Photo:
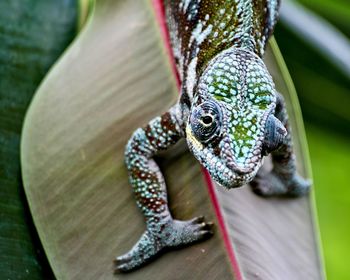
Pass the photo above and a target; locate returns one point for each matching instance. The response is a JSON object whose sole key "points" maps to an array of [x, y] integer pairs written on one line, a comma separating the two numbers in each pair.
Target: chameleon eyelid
{"points": [[202, 130]]}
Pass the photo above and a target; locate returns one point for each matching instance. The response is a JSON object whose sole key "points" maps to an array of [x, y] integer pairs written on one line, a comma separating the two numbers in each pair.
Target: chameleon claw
{"points": [[205, 226], [209, 233], [120, 269], [197, 220], [121, 260], [299, 187], [204, 234], [210, 224], [201, 224]]}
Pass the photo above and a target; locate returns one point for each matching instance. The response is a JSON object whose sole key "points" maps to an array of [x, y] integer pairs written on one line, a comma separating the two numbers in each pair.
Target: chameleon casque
{"points": [[229, 112]]}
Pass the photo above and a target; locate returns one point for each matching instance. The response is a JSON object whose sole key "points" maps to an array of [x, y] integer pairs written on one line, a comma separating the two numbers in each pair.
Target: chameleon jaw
{"points": [[218, 170], [192, 139]]}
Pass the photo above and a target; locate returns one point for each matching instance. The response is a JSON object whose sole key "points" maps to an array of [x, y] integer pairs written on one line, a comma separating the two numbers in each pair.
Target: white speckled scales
{"points": [[200, 29]]}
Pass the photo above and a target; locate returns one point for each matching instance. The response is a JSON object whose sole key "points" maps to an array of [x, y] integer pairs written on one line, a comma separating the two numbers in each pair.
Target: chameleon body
{"points": [[229, 112]]}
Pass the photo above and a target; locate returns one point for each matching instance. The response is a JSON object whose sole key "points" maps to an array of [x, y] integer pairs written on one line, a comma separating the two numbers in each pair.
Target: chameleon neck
{"points": [[200, 29]]}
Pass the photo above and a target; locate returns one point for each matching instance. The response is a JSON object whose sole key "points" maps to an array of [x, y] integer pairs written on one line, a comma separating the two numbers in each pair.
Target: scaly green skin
{"points": [[229, 112]]}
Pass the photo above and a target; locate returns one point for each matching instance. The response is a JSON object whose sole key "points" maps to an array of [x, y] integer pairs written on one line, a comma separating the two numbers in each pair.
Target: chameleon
{"points": [[228, 111]]}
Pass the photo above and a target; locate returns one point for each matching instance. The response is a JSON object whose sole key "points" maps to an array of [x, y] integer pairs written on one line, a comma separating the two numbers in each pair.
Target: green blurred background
{"points": [[33, 33]]}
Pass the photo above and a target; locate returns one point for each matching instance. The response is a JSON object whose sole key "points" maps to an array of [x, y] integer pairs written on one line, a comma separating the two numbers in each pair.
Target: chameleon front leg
{"points": [[283, 179], [162, 230]]}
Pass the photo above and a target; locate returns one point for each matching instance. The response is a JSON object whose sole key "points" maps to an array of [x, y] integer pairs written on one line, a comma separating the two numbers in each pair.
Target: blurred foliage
{"points": [[324, 94], [323, 89], [330, 162], [33, 33], [337, 12]]}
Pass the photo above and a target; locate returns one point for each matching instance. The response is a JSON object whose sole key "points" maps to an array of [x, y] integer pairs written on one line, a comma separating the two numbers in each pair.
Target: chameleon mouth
{"points": [[229, 175]]}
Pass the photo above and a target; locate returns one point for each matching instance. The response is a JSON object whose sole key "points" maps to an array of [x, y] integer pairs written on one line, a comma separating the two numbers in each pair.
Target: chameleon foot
{"points": [[172, 233], [273, 184]]}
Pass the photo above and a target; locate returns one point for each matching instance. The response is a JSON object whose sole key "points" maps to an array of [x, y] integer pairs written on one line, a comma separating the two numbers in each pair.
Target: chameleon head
{"points": [[231, 124]]}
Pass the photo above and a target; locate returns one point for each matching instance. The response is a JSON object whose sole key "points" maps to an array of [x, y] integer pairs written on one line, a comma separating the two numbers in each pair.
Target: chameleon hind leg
{"points": [[162, 231], [283, 178]]}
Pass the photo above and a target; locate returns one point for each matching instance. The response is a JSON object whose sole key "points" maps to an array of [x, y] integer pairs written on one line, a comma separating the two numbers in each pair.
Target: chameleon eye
{"points": [[206, 121]]}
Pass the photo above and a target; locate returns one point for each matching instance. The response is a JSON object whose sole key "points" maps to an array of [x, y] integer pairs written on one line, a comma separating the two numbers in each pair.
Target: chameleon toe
{"points": [[197, 220]]}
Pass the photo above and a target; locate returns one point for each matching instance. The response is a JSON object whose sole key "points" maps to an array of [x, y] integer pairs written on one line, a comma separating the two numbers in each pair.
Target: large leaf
{"points": [[112, 80], [33, 34]]}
